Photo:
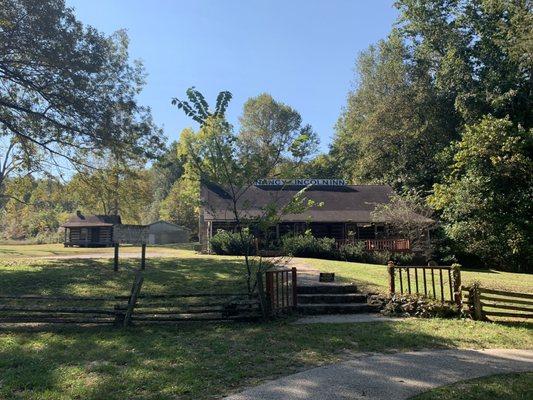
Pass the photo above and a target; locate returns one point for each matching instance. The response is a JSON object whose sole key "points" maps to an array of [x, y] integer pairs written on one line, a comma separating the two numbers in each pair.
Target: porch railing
{"points": [[397, 245]]}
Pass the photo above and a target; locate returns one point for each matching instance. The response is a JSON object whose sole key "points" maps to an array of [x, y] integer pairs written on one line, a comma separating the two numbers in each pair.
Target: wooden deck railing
{"points": [[387, 244], [394, 245]]}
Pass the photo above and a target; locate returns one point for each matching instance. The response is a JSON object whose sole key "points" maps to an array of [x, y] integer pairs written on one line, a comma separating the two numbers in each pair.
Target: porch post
{"points": [[209, 235]]}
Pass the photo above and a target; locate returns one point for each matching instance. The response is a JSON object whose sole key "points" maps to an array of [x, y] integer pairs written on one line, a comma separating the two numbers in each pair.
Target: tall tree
{"points": [[447, 63], [486, 199], [113, 189], [394, 124], [271, 133], [66, 90], [221, 157], [478, 51]]}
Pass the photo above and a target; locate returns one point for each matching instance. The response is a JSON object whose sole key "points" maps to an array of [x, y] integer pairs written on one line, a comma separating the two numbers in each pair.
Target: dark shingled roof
{"points": [[351, 203], [81, 221]]}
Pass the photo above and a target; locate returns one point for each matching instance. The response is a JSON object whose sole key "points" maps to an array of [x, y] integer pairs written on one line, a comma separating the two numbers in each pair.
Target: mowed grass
{"points": [[374, 278], [185, 272], [201, 361], [189, 360], [11, 251], [517, 386]]}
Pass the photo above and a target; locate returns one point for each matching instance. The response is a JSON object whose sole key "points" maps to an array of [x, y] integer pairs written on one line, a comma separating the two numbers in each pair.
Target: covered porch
{"points": [[376, 237]]}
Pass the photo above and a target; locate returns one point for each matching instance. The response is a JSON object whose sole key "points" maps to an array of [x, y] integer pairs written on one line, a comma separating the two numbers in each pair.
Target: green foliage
{"points": [[232, 243], [326, 248], [271, 133], [352, 251], [485, 199], [393, 125], [115, 188], [309, 246], [182, 203], [409, 217], [197, 107], [67, 90], [419, 306], [447, 67], [35, 209]]}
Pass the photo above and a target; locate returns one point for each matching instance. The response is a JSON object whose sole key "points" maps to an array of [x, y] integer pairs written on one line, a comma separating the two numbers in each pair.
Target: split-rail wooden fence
{"points": [[123, 310], [482, 303]]}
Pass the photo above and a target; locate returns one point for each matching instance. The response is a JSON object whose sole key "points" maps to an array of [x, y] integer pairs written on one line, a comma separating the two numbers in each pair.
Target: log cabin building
{"points": [[90, 230], [341, 211]]}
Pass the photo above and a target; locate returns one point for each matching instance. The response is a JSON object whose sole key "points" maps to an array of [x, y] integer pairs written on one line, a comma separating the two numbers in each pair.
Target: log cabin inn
{"points": [[340, 211]]}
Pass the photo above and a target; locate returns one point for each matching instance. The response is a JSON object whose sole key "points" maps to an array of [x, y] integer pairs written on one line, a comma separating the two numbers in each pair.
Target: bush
{"points": [[419, 306], [352, 252], [231, 243], [309, 246]]}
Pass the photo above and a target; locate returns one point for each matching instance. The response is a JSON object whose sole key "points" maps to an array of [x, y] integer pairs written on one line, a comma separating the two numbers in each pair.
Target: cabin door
{"points": [[95, 235]]}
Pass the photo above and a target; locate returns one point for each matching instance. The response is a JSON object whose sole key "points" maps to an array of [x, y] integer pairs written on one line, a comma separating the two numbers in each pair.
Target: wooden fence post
{"points": [[115, 259], [143, 256], [261, 294], [294, 282], [456, 274], [476, 309], [135, 290], [390, 269], [269, 292]]}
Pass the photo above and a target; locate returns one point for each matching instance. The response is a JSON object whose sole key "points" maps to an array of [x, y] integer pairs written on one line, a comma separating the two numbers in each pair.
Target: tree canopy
{"points": [[485, 200], [66, 90], [446, 64]]}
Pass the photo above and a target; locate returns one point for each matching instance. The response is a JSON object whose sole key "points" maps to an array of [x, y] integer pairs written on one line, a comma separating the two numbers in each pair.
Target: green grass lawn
{"points": [[496, 387], [11, 251], [374, 277], [191, 360]]}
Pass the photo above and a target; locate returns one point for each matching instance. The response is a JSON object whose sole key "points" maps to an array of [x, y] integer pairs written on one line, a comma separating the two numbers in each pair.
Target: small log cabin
{"points": [[342, 212], [90, 230]]}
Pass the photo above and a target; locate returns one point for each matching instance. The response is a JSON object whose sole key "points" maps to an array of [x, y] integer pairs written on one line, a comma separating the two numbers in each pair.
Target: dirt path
{"points": [[390, 376]]}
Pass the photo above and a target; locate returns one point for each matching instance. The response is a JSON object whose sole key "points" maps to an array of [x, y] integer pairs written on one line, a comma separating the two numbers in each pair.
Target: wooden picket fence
{"points": [[277, 291], [127, 310], [437, 282], [482, 303]]}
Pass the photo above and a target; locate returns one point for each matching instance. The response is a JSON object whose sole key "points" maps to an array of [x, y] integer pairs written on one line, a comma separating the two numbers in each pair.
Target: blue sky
{"points": [[302, 52]]}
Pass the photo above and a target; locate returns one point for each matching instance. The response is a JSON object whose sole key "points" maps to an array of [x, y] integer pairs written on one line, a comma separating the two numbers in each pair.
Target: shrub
{"points": [[309, 246], [231, 243], [419, 306], [352, 252]]}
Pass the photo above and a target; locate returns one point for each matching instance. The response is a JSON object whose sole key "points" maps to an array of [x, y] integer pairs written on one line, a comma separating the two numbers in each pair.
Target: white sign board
{"points": [[300, 182], [130, 234]]}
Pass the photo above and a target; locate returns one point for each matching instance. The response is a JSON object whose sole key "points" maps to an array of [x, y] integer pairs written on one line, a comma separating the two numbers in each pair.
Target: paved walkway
{"points": [[390, 376]]}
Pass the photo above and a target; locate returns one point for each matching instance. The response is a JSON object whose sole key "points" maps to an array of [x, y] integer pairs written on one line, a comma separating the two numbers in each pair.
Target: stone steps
{"points": [[333, 298], [336, 308], [330, 298], [326, 288]]}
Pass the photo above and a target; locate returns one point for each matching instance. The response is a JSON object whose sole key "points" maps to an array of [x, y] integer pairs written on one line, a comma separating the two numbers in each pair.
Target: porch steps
{"points": [[333, 298]]}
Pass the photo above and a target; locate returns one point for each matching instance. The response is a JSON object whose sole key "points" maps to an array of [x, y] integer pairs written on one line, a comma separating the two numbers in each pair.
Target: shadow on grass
{"points": [[189, 361], [96, 276]]}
